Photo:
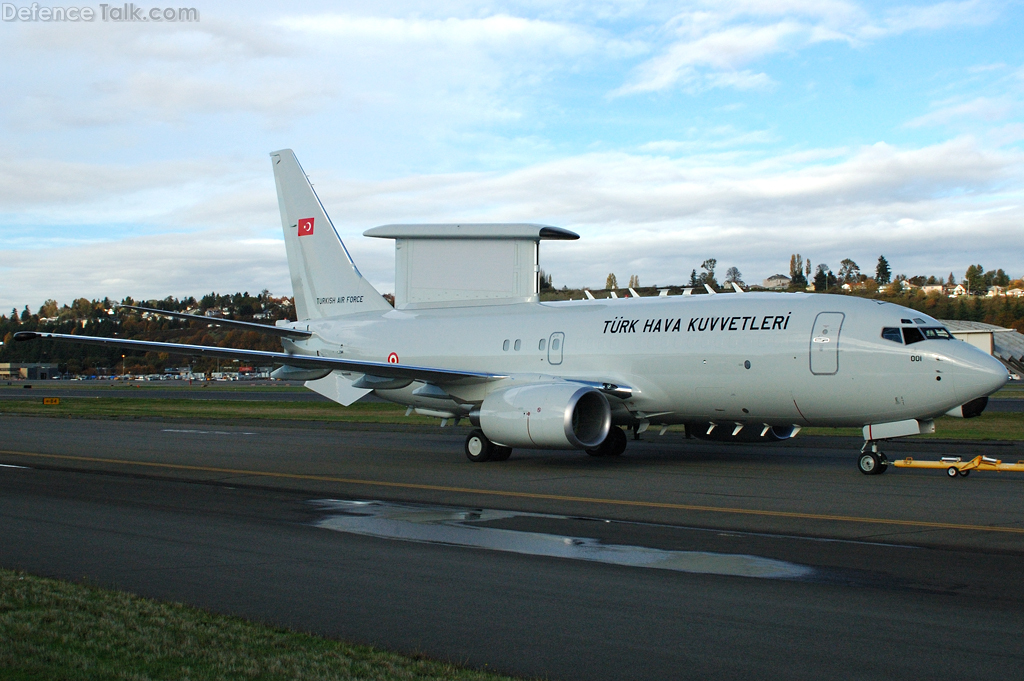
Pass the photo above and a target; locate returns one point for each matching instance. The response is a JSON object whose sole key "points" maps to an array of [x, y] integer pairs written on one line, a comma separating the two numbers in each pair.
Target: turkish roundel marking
{"points": [[305, 226], [393, 358]]}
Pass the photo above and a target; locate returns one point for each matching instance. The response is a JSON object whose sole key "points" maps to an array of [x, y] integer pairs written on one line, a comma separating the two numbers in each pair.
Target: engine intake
{"points": [[970, 409], [546, 416]]}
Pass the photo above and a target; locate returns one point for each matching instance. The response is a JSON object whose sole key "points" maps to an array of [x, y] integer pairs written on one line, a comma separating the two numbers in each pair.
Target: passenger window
{"points": [[912, 335], [554, 344], [504, 346], [543, 342], [893, 334], [519, 344]]}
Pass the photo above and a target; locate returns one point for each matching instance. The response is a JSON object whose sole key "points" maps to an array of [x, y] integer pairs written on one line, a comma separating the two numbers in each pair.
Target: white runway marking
{"points": [[7, 465], [202, 432]]}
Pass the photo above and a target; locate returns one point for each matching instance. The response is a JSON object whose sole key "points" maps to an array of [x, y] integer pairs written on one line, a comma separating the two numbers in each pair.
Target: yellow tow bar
{"points": [[955, 466]]}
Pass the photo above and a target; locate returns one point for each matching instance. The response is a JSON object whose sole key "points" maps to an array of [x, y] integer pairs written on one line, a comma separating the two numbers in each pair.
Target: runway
{"points": [[681, 559]]}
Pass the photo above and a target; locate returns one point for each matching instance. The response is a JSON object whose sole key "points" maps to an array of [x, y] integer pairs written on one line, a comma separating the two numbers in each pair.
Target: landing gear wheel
{"points": [[499, 453], [616, 442], [964, 474], [870, 464], [613, 445], [952, 472], [478, 447]]}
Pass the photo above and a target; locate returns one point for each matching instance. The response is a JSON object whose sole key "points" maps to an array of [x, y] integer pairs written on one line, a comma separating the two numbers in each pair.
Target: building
{"points": [[958, 291], [1005, 345], [777, 281], [33, 371]]}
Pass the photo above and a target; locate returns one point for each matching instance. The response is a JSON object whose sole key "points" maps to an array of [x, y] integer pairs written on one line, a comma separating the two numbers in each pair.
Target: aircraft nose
{"points": [[980, 375]]}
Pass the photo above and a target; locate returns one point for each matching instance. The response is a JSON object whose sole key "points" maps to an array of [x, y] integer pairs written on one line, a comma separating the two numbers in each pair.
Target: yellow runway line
{"points": [[528, 495]]}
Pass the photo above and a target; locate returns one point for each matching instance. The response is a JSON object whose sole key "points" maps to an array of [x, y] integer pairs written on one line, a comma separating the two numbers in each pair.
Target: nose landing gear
{"points": [[872, 462]]}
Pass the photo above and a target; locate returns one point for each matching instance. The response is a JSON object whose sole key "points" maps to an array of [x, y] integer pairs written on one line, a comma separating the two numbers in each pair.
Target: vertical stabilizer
{"points": [[325, 281]]}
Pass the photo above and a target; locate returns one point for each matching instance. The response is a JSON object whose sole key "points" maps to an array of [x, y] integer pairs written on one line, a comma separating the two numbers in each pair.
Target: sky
{"points": [[664, 133]]}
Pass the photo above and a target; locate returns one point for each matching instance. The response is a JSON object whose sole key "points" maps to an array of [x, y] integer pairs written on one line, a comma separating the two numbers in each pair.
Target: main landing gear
{"points": [[872, 462], [480, 449], [613, 445]]}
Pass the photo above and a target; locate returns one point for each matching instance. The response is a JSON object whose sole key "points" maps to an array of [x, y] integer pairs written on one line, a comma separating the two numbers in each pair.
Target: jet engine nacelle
{"points": [[969, 410], [546, 416]]}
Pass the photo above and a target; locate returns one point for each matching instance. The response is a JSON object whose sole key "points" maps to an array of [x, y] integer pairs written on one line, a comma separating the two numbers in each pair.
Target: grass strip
{"points": [[85, 407], [52, 629], [988, 426]]}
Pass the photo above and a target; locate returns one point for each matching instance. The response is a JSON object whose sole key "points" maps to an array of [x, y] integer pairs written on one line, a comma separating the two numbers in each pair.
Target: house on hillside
{"points": [[777, 281], [958, 291]]}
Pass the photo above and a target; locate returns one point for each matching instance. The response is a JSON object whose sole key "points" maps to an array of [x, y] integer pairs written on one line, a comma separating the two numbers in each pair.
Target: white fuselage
{"points": [[776, 359]]}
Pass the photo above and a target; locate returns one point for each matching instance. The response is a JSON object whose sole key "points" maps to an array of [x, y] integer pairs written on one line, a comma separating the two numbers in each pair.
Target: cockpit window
{"points": [[918, 320], [912, 335], [937, 332], [893, 334]]}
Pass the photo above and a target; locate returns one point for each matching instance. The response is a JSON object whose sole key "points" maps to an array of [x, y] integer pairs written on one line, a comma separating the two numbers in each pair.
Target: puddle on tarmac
{"points": [[461, 527]]}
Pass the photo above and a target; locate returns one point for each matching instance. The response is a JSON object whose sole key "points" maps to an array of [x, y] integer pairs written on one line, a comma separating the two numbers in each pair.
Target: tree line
{"points": [[976, 280], [105, 318]]}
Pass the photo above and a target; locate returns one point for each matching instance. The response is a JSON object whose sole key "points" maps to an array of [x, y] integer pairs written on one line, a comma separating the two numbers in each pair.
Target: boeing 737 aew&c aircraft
{"points": [[469, 338]]}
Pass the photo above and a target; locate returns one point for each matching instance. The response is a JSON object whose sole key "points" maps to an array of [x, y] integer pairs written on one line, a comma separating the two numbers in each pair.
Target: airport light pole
{"points": [[122, 366]]}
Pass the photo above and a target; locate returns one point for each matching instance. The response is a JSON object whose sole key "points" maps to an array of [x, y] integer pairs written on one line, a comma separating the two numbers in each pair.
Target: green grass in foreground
{"points": [[52, 630]]}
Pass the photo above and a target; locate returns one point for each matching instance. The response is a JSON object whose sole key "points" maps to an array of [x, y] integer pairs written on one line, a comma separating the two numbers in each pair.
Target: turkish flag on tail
{"points": [[305, 226]]}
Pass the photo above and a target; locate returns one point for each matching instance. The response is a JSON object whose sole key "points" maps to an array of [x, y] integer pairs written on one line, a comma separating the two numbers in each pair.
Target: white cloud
{"points": [[724, 52], [980, 108], [711, 44], [932, 17], [32, 183], [146, 267], [496, 32], [638, 214], [469, 112]]}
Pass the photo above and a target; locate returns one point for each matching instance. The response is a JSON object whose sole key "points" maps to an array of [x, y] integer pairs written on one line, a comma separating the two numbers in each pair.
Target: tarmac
{"points": [[681, 559]]}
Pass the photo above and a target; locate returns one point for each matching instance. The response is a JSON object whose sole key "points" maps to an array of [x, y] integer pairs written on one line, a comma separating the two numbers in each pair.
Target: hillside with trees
{"points": [[105, 318]]}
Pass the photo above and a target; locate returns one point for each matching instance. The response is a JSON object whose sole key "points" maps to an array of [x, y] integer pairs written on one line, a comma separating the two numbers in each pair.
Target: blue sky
{"points": [[664, 133]]}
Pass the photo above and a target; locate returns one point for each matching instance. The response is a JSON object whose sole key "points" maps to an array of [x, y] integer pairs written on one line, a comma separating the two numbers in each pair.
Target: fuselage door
{"points": [[825, 343], [555, 344]]}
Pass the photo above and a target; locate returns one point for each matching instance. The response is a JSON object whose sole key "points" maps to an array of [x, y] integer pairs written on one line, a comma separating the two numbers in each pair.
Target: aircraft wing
{"points": [[282, 331], [381, 369]]}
